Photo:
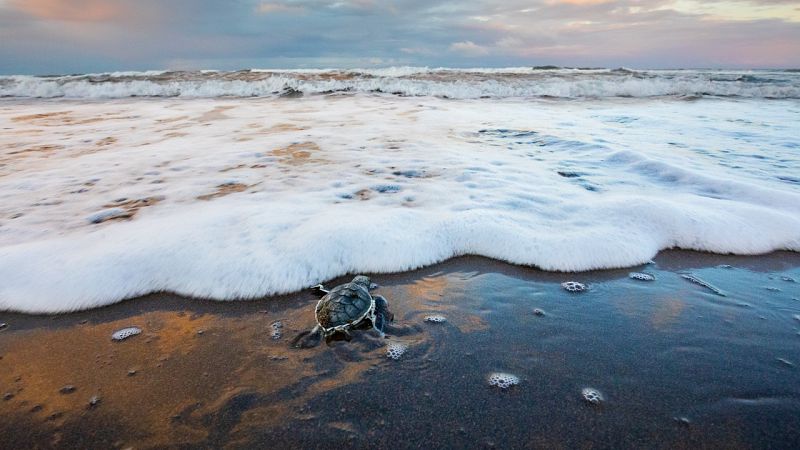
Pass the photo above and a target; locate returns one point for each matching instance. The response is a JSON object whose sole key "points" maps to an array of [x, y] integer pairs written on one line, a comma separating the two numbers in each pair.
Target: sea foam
{"points": [[267, 196]]}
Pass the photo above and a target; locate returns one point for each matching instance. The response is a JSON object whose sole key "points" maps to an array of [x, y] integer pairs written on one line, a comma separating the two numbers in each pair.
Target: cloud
{"points": [[72, 10], [580, 2], [269, 8], [416, 51], [788, 10], [361, 4], [509, 42], [468, 48], [47, 36]]}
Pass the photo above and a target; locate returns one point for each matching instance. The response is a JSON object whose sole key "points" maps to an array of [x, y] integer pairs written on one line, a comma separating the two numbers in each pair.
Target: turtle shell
{"points": [[344, 306]]}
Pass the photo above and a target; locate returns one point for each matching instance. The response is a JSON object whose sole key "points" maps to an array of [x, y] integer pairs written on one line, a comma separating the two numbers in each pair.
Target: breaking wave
{"points": [[411, 81], [244, 198]]}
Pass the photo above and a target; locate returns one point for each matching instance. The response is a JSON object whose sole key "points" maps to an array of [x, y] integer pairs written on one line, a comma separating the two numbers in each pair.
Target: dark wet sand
{"points": [[680, 366]]}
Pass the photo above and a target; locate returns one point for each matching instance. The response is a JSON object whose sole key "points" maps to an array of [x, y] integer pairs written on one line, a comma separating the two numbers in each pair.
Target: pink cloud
{"points": [[270, 8], [71, 10]]}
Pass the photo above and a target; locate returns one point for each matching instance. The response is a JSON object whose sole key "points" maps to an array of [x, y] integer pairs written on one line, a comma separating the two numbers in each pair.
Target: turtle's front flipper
{"points": [[319, 290], [308, 339]]}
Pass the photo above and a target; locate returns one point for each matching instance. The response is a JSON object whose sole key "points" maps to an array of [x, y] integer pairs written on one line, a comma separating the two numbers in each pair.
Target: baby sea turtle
{"points": [[346, 306]]}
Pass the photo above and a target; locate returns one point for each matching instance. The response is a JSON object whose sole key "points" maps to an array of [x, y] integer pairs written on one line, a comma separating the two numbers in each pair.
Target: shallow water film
{"points": [[517, 362]]}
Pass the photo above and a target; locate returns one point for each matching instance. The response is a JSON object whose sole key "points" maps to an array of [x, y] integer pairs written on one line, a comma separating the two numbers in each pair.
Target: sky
{"points": [[84, 36]]}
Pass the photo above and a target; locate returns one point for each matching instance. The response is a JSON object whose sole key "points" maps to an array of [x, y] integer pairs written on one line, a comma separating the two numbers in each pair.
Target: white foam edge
{"points": [[233, 250]]}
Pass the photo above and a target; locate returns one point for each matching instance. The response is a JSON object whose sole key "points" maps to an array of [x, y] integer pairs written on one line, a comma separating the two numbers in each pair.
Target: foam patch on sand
{"points": [[230, 199], [436, 318], [502, 380], [125, 333], [395, 350], [592, 396]]}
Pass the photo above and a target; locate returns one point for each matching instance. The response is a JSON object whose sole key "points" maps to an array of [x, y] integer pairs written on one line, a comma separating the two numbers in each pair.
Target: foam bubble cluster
{"points": [[436, 318], [276, 329], [573, 286], [592, 396], [697, 280], [125, 333], [683, 420], [503, 380], [395, 350], [641, 276]]}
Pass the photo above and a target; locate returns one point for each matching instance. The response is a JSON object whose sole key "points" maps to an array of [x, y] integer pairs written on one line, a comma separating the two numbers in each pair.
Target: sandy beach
{"points": [[678, 365], [198, 218], [584, 214]]}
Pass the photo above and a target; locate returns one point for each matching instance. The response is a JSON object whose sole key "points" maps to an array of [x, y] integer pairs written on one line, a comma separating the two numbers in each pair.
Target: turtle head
{"points": [[364, 280]]}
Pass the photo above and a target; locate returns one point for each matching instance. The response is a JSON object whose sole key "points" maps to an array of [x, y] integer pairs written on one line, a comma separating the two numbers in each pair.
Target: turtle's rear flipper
{"points": [[382, 313], [380, 323], [307, 339]]}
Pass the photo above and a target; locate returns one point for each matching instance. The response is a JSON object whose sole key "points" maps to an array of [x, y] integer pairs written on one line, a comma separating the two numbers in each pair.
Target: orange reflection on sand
{"points": [[427, 289], [137, 377], [434, 294], [667, 313], [171, 383], [659, 312]]}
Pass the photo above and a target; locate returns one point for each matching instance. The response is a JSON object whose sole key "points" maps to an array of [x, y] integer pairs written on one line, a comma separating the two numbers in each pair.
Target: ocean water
{"points": [[246, 184], [413, 81]]}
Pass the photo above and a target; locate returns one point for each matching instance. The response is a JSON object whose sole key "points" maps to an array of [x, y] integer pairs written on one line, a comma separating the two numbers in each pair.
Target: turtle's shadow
{"points": [[363, 337], [365, 333]]}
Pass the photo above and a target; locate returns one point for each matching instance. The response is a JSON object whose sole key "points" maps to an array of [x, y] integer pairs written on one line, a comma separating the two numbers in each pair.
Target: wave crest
{"points": [[412, 81]]}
